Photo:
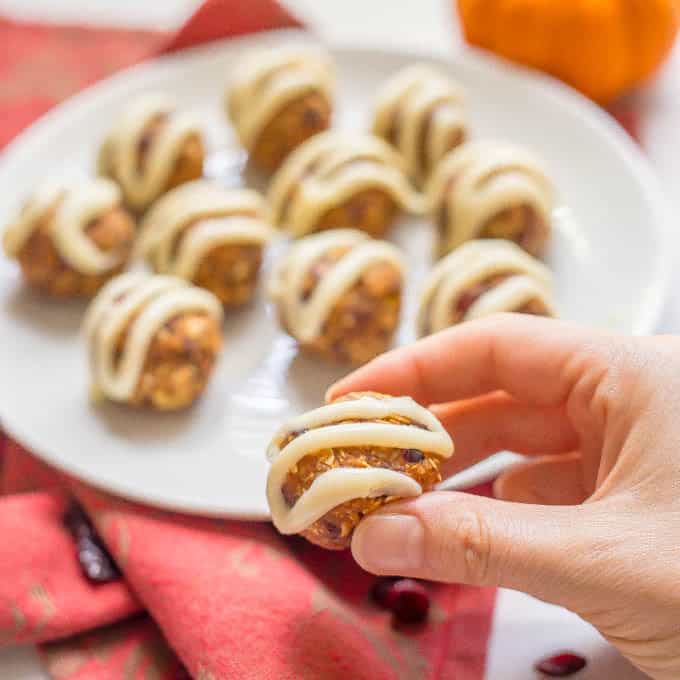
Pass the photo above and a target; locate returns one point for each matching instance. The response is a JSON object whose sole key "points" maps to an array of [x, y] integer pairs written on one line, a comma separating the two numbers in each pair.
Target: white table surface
{"points": [[524, 629]]}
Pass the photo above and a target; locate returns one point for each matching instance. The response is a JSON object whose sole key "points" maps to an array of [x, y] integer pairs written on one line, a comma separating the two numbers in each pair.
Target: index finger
{"points": [[535, 359]]}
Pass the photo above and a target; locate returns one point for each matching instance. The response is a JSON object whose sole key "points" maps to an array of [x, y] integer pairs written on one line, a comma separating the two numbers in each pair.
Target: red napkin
{"points": [[234, 599], [231, 599]]}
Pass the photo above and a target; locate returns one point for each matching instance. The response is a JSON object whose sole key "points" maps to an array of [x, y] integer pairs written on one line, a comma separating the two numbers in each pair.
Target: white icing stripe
{"points": [[31, 215], [266, 81], [212, 233], [509, 295], [416, 97], [77, 207], [305, 318], [386, 435], [329, 169], [333, 488], [119, 154], [487, 179], [152, 300], [366, 408], [472, 263], [216, 216], [109, 293]]}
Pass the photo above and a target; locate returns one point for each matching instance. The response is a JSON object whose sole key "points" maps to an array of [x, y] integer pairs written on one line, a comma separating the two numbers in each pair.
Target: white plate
{"points": [[611, 256]]}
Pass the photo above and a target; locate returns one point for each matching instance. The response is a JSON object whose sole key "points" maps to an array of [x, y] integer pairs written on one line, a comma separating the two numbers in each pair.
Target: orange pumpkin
{"points": [[602, 47]]}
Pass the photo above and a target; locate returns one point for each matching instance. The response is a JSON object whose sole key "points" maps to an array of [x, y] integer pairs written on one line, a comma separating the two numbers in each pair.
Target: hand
{"points": [[592, 521]]}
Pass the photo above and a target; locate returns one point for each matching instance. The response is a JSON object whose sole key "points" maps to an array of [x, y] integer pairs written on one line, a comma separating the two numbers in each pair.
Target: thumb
{"points": [[546, 551]]}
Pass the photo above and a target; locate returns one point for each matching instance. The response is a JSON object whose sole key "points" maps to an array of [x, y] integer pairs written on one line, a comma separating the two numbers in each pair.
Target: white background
{"points": [[524, 629]]}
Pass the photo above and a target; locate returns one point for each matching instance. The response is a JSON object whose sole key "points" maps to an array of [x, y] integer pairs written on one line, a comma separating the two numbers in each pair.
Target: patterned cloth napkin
{"points": [[230, 599]]}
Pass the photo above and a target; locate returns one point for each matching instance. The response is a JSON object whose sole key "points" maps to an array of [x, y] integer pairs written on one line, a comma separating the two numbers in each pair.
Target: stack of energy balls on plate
{"points": [[154, 338]]}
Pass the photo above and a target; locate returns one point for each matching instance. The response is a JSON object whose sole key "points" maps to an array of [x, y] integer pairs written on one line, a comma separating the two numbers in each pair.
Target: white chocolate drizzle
{"points": [[119, 154], [212, 216], [151, 301], [328, 170], [479, 180], [323, 428], [265, 81], [472, 263], [75, 208], [305, 318], [430, 113]]}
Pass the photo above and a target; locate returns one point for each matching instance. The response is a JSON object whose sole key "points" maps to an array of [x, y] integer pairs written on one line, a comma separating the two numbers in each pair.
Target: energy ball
{"points": [[341, 180], [151, 149], [69, 241], [278, 99], [421, 112], [336, 464], [153, 341], [491, 190], [339, 294], [481, 278], [208, 235]]}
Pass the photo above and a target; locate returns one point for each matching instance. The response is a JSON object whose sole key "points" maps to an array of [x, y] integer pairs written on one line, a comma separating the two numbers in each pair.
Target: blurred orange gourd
{"points": [[603, 48]]}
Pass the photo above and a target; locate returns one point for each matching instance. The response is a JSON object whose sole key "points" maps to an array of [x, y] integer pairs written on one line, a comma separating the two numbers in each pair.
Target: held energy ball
{"points": [[334, 465]]}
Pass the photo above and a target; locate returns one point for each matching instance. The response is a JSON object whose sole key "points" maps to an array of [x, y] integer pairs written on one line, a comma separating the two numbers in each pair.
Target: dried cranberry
{"points": [[413, 455], [357, 210], [561, 665], [95, 561], [408, 600], [311, 118], [144, 143], [467, 299], [381, 588], [333, 530]]}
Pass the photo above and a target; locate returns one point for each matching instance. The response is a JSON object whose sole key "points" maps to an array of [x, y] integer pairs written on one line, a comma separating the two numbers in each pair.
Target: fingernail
{"points": [[389, 544]]}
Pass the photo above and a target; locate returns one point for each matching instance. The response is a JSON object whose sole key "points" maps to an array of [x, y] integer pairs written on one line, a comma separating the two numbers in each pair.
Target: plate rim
{"points": [[468, 57]]}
